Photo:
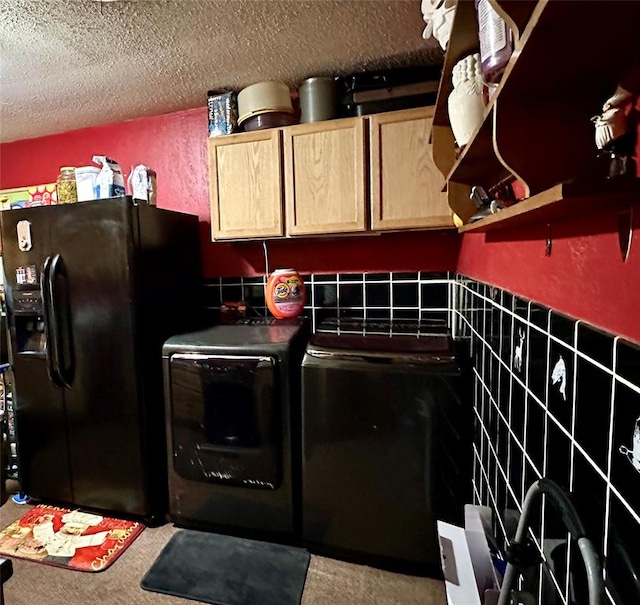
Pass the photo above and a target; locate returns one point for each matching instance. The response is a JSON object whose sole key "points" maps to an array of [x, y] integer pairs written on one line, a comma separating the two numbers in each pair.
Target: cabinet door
{"points": [[406, 186], [245, 185], [325, 183]]}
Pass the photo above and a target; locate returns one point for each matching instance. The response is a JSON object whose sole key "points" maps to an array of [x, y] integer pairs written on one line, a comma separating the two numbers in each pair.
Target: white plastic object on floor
{"points": [[477, 522], [459, 577]]}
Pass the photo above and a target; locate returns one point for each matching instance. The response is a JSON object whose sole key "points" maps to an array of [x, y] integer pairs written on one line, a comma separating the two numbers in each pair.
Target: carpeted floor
{"points": [[329, 582]]}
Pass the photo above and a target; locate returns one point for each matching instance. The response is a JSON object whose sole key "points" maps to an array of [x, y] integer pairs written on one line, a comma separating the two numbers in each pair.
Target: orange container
{"points": [[285, 293]]}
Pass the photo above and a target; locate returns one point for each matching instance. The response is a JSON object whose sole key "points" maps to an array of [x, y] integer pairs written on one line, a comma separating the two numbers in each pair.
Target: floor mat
{"points": [[225, 570], [68, 538]]}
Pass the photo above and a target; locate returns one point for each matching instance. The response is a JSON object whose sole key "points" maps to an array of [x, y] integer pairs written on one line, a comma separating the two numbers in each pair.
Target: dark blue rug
{"points": [[225, 570]]}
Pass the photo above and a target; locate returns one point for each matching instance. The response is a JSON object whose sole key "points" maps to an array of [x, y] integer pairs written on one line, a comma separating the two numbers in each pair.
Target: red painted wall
{"points": [[584, 277], [175, 146]]}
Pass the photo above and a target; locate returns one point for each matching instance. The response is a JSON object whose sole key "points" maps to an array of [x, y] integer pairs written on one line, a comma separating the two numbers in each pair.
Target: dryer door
{"points": [[226, 419]]}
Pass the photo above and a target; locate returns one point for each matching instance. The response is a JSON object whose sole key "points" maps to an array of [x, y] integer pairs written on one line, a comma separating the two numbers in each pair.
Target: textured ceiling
{"points": [[73, 64]]}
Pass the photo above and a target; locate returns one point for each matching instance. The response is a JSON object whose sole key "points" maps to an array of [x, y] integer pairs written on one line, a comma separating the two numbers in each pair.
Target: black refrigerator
{"points": [[93, 289]]}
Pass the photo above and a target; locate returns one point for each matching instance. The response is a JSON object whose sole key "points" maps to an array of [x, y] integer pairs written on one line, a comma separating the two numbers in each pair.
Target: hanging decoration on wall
{"points": [[517, 357], [616, 126], [633, 453], [559, 377]]}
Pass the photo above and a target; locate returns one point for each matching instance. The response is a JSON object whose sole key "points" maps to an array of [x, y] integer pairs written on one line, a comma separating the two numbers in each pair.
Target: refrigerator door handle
{"points": [[61, 326], [49, 322]]}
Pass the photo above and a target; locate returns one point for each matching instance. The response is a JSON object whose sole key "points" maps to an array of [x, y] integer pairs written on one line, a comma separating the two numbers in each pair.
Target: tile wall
{"points": [[555, 397], [384, 296]]}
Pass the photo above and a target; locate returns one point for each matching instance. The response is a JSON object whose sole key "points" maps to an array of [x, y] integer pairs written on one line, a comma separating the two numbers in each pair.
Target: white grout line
{"points": [[476, 493], [376, 281], [607, 506], [548, 413], [496, 511], [502, 362], [497, 461], [572, 447], [572, 348], [481, 339], [514, 437], [493, 499]]}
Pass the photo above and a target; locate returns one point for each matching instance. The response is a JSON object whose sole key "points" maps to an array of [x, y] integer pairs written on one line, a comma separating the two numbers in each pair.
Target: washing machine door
{"points": [[226, 419]]}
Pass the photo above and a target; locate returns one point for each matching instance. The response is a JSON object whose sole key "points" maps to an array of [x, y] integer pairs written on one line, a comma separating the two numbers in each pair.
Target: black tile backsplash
{"points": [[625, 450], [537, 361], [623, 553], [435, 295], [535, 433], [593, 386], [377, 276], [567, 401], [553, 397], [560, 383], [590, 492], [405, 294], [387, 296], [379, 314], [595, 344], [351, 277], [628, 361], [378, 295], [325, 295], [351, 295], [232, 293], [563, 328], [413, 314]]}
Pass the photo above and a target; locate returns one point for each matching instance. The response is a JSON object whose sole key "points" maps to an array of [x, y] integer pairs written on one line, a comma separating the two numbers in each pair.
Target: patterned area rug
{"points": [[68, 538]]}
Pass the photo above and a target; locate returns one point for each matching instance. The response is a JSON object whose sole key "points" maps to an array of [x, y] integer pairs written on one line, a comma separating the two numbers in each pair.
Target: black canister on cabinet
{"points": [[318, 99]]}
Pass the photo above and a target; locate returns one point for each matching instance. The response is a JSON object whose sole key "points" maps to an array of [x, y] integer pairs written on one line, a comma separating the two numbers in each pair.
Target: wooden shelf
{"points": [[557, 202], [462, 42], [568, 58], [479, 164]]}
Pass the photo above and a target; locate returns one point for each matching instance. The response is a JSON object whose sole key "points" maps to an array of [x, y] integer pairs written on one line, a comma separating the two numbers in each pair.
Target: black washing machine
{"points": [[386, 443], [232, 416]]}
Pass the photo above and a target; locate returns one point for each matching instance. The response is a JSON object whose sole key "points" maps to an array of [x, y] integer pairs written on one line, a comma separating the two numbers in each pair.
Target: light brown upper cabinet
{"points": [[325, 179], [353, 175], [245, 185], [406, 186]]}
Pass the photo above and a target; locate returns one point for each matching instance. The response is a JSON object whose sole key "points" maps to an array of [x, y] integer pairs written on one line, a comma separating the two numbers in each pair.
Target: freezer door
{"points": [[39, 405], [94, 291]]}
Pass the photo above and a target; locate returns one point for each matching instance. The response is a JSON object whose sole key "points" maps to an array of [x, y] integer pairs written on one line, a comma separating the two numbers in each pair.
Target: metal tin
{"points": [[223, 112], [318, 99]]}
